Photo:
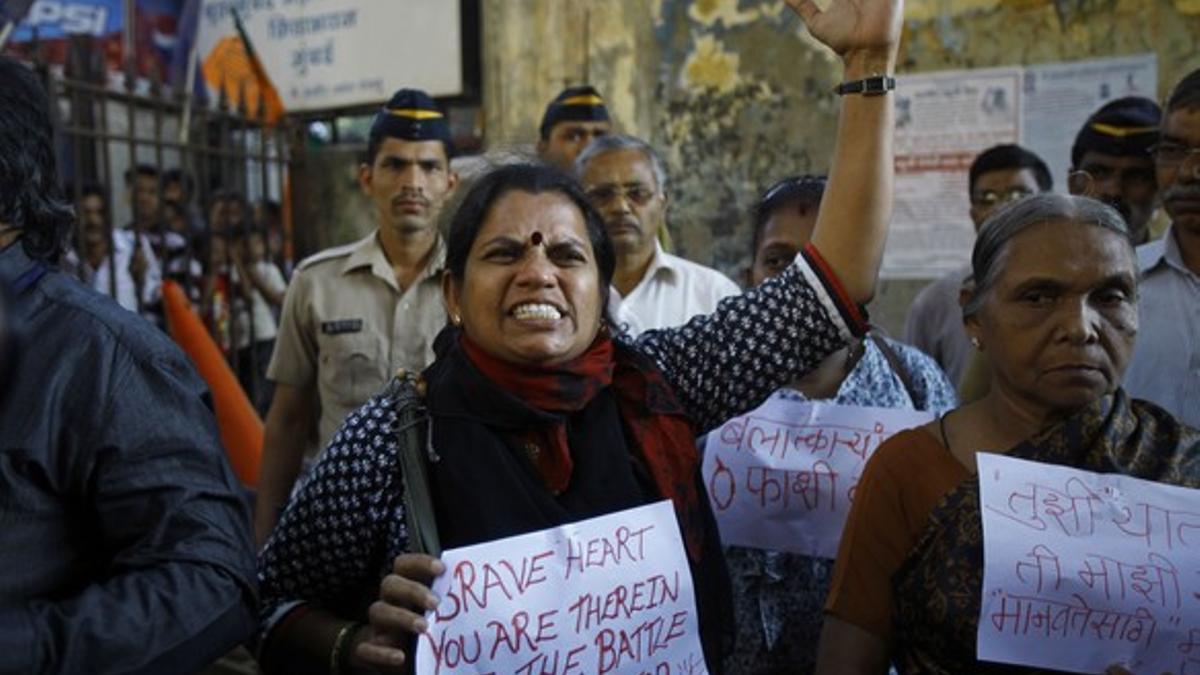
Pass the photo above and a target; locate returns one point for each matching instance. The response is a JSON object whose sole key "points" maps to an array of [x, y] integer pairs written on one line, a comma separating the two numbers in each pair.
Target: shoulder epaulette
{"points": [[333, 253]]}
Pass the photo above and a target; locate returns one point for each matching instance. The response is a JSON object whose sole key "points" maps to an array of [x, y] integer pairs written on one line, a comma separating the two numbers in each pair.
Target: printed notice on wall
{"points": [[944, 119], [783, 476], [607, 595], [1084, 570], [1057, 98]]}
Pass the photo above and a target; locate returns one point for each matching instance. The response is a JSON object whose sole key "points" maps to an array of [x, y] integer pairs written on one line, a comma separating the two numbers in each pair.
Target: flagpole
{"points": [[130, 38], [6, 31], [190, 91]]}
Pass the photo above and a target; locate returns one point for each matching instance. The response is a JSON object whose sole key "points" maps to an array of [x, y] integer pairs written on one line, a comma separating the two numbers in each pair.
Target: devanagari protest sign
{"points": [[783, 476], [611, 594], [1084, 570]]}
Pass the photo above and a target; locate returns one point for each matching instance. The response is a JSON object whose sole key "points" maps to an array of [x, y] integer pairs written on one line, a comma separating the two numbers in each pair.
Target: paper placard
{"points": [[783, 476], [611, 594], [1084, 570]]}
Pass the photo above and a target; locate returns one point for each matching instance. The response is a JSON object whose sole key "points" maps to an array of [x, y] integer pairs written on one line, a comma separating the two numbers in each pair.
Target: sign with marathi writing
{"points": [[945, 119], [783, 476], [1084, 570], [611, 594], [331, 53]]}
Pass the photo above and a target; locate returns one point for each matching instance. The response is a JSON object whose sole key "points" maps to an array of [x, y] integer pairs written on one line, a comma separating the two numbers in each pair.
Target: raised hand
{"points": [[854, 27]]}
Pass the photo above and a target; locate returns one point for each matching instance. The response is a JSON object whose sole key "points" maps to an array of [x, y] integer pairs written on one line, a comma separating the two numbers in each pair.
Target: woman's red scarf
{"points": [[662, 436]]}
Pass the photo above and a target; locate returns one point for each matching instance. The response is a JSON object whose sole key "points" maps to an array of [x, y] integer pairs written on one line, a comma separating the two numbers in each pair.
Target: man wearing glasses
{"points": [[625, 180], [1165, 368], [1111, 160], [999, 175]]}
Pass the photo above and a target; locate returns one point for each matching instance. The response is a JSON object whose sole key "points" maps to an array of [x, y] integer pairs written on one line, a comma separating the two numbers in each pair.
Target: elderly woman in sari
{"points": [[540, 415], [1054, 311]]}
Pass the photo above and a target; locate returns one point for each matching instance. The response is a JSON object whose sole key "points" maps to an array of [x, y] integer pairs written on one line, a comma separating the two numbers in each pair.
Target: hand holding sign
{"points": [[404, 597]]}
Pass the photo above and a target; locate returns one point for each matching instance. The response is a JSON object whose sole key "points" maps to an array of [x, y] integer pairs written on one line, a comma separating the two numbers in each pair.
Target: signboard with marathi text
{"points": [[945, 119], [783, 476], [611, 594], [335, 53], [1085, 570]]}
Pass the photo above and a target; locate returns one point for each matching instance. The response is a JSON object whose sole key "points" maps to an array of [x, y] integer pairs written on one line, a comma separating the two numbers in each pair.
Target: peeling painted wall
{"points": [[736, 94]]}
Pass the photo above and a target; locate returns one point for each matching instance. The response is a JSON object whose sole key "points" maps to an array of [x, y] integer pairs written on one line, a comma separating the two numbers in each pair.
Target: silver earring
{"points": [[975, 343], [456, 319]]}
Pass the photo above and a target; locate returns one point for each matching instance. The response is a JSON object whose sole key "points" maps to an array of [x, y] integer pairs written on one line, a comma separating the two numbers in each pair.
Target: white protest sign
{"points": [[611, 594], [1084, 570], [783, 476]]}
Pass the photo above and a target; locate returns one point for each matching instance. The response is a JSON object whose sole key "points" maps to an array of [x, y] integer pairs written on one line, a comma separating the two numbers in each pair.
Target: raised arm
{"points": [[852, 224], [726, 363]]}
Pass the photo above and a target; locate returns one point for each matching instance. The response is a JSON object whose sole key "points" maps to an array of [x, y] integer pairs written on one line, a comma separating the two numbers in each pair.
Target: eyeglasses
{"points": [[1087, 182], [636, 194], [989, 198], [1169, 153]]}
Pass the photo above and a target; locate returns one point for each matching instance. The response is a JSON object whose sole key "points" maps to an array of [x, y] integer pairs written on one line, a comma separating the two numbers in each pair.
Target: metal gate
{"points": [[157, 157]]}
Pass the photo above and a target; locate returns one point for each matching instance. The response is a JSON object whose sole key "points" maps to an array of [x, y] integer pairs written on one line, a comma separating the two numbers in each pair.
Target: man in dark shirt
{"points": [[124, 537]]}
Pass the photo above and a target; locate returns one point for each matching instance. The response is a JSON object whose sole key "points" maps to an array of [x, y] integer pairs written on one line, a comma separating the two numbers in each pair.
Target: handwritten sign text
{"points": [[783, 476], [611, 594], [1084, 570]]}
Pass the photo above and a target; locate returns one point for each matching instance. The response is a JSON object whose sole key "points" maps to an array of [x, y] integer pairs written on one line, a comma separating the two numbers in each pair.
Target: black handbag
{"points": [[416, 453]]}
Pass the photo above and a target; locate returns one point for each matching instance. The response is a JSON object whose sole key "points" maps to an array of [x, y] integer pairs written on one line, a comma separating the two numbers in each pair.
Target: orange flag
{"points": [[233, 65], [240, 426]]}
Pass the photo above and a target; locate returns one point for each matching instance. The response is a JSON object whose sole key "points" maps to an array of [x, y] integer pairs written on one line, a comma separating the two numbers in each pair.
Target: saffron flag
{"points": [[233, 66]]}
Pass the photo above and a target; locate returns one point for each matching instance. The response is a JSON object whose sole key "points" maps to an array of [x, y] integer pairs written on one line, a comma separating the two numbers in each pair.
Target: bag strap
{"points": [[415, 453], [897, 367]]}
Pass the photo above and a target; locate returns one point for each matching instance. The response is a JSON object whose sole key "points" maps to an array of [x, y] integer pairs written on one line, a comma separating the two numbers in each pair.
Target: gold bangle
{"points": [[339, 645]]}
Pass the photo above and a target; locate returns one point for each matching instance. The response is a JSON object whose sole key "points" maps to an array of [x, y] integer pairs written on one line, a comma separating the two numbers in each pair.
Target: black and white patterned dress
{"points": [[338, 535]]}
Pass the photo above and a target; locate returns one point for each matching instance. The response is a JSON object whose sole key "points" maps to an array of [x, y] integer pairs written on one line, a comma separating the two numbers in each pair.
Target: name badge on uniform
{"points": [[342, 326]]}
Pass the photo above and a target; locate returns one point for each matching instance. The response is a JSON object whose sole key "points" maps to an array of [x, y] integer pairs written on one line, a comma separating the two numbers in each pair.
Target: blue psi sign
{"points": [[55, 19]]}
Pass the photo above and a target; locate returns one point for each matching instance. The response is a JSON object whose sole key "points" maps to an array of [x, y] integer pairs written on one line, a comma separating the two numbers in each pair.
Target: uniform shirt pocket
{"points": [[352, 367]]}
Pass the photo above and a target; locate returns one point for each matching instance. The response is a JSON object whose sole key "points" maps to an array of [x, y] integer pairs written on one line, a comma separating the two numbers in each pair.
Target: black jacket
{"points": [[125, 540]]}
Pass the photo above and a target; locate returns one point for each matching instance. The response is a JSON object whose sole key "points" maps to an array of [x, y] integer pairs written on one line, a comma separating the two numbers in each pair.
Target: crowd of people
{"points": [[229, 264], [527, 327]]}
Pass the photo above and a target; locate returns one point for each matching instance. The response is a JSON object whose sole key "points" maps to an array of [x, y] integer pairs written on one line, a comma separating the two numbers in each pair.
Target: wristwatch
{"points": [[877, 85]]}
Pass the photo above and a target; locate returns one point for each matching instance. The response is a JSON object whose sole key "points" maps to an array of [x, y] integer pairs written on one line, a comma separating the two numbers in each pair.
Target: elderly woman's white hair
{"points": [[991, 247]]}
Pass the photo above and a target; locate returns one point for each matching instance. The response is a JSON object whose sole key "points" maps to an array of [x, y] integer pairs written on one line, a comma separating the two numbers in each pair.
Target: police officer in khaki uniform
{"points": [[356, 313]]}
